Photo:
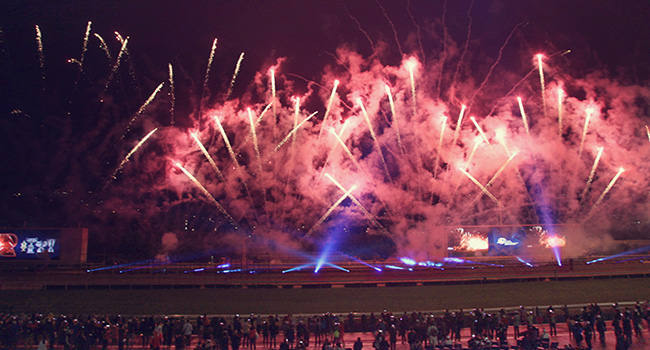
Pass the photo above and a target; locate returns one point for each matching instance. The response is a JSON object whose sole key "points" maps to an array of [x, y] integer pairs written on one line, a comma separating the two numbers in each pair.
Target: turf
{"points": [[338, 300]]}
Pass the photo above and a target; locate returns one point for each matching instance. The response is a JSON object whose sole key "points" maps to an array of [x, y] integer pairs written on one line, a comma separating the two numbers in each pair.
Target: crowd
{"points": [[419, 330]]}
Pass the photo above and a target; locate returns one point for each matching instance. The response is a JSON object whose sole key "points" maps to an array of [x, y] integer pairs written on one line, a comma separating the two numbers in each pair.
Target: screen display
{"points": [[30, 244]]}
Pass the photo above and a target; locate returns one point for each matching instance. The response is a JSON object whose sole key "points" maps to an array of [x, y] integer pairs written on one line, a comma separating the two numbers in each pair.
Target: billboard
{"points": [[504, 240], [65, 245]]}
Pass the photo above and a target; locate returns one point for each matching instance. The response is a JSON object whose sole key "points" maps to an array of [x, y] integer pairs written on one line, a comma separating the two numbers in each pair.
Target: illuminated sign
{"points": [[506, 242], [8, 242], [30, 244]]}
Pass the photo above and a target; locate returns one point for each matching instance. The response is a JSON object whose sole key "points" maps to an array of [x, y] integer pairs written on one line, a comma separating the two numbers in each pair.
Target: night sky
{"points": [[63, 129]]}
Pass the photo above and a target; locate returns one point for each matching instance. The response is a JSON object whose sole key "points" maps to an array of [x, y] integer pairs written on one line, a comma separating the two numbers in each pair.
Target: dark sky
{"points": [[610, 36], [612, 32]]}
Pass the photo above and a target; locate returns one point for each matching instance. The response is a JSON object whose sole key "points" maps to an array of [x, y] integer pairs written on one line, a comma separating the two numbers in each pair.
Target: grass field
{"points": [[338, 300]]}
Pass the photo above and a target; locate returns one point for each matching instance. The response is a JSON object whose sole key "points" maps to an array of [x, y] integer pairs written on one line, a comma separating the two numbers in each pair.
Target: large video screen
{"points": [[30, 244], [503, 240]]}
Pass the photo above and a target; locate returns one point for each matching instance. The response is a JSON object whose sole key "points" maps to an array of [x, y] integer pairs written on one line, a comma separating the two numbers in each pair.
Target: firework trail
{"points": [[209, 157], [492, 197], [227, 142], [363, 209], [254, 135], [477, 143], [480, 130], [541, 80], [417, 28], [591, 175], [171, 94], [443, 57], [602, 195], [234, 76], [328, 212], [496, 62], [207, 194], [374, 137], [584, 131], [560, 94], [116, 66], [103, 46], [207, 76], [329, 154], [85, 46], [395, 121], [465, 49], [237, 166], [523, 115], [292, 132], [347, 150], [392, 26], [443, 126], [647, 132], [411, 65], [273, 103], [41, 57], [372, 44], [296, 114], [142, 108], [496, 175], [329, 107], [128, 156], [458, 124]]}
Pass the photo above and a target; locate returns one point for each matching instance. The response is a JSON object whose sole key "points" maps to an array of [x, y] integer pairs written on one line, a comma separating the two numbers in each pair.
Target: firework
{"points": [[395, 122], [541, 80], [472, 242], [128, 156], [227, 142], [411, 64], [469, 176], [477, 143], [172, 94], [347, 150], [273, 103], [296, 114], [254, 135], [496, 175], [41, 57], [584, 131], [443, 126], [523, 115], [329, 154], [328, 212], [403, 195], [85, 46], [292, 132], [591, 175], [374, 138], [560, 96], [209, 157], [207, 75], [458, 124], [104, 47], [480, 130], [142, 108], [363, 209], [329, 107], [607, 189], [207, 194], [234, 76], [116, 66]]}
